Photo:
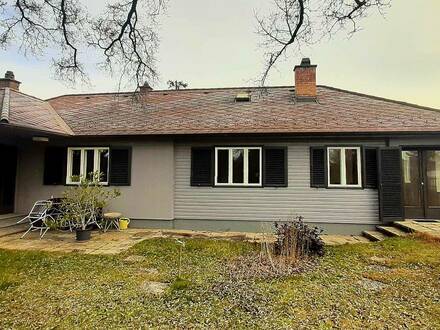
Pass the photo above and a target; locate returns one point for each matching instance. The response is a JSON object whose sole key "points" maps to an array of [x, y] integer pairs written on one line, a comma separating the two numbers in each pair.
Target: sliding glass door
{"points": [[432, 183], [421, 183]]}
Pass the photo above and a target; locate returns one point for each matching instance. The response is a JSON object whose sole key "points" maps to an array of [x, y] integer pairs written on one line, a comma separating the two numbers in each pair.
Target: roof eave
{"points": [[269, 134], [32, 129]]}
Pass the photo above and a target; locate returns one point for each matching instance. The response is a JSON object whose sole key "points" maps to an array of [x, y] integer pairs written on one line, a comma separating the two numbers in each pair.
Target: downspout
{"points": [[4, 117]]}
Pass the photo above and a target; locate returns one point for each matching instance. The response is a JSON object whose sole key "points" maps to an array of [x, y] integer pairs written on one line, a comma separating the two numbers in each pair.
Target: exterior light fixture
{"points": [[40, 139]]}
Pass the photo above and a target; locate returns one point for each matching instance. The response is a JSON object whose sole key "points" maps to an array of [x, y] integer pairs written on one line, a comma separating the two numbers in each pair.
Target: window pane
{"points": [[411, 179], [433, 178], [254, 166], [351, 166], [237, 165], [76, 165], [222, 166], [335, 166], [90, 156], [103, 164]]}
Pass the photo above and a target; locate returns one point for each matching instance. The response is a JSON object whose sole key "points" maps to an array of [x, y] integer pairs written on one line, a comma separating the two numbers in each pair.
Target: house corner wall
{"points": [[150, 195]]}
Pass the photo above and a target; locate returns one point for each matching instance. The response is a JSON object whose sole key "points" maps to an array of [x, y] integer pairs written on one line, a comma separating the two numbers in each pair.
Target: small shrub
{"points": [[295, 239], [82, 204]]}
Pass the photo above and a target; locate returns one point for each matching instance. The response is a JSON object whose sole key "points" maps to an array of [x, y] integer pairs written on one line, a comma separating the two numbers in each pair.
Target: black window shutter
{"points": [[370, 167], [120, 166], [55, 159], [275, 167], [390, 184], [202, 166], [318, 175]]}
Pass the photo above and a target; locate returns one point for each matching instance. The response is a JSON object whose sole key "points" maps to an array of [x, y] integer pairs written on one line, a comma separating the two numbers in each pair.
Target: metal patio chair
{"points": [[38, 218]]}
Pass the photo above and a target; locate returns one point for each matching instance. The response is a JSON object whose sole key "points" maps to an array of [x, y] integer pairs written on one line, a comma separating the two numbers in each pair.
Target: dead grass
{"points": [[428, 237], [393, 284]]}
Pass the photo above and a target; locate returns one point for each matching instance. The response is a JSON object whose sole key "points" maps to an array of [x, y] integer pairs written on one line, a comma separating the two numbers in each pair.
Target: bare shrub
{"points": [[296, 240], [266, 266], [292, 249]]}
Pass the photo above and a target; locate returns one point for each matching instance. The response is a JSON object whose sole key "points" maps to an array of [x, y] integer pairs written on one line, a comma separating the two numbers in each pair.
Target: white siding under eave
{"points": [[319, 205]]}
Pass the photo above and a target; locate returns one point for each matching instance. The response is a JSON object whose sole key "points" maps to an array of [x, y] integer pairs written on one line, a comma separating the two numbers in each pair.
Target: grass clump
{"points": [[179, 284]]}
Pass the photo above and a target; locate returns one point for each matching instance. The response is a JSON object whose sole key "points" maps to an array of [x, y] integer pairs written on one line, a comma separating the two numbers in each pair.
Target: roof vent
{"points": [[145, 88], [243, 97]]}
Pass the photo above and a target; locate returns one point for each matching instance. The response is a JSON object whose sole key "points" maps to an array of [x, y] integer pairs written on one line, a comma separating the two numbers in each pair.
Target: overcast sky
{"points": [[213, 44]]}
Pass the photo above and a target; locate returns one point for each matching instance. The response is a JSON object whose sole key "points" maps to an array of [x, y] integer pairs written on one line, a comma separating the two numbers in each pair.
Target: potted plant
{"points": [[83, 204]]}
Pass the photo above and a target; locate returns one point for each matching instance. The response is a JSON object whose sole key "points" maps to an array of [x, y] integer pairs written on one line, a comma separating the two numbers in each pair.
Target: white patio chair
{"points": [[38, 217]]}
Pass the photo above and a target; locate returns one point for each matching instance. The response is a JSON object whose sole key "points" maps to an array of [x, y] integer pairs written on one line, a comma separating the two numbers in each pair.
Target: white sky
{"points": [[213, 44]]}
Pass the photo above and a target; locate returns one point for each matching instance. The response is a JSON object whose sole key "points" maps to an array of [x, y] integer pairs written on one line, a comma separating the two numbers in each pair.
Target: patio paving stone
{"points": [[114, 242]]}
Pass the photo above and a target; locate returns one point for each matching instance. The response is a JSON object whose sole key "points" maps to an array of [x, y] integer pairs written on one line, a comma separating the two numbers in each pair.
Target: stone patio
{"points": [[343, 239], [114, 242], [57, 241], [111, 242]]}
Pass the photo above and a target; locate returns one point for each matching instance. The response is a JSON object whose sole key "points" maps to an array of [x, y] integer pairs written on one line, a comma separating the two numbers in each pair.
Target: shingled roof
{"points": [[21, 110], [215, 111]]}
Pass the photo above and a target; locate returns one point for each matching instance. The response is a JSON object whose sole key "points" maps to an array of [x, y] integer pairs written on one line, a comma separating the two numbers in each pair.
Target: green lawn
{"points": [[391, 284]]}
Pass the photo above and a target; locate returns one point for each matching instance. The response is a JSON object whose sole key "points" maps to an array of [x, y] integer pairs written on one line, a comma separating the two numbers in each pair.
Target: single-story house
{"points": [[227, 158]]}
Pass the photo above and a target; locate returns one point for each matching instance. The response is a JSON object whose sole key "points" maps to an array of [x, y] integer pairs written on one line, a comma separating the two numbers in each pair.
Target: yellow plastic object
{"points": [[123, 223]]}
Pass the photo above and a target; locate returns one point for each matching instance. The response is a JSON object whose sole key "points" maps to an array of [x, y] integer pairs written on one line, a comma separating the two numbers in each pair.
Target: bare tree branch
{"points": [[278, 29], [129, 40], [294, 23], [125, 34], [122, 39]]}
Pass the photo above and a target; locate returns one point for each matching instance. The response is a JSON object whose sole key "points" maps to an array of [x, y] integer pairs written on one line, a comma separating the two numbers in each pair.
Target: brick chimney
{"points": [[9, 81], [305, 81]]}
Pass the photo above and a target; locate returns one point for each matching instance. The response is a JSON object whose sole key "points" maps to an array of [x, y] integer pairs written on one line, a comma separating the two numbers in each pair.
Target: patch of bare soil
{"points": [[378, 260], [372, 285], [154, 288], [378, 268]]}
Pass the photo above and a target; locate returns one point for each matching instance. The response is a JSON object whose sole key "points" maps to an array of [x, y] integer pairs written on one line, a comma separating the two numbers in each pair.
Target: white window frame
{"points": [[96, 163], [343, 172], [245, 167]]}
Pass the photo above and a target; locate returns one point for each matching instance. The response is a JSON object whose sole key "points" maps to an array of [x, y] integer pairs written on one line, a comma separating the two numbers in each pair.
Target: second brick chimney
{"points": [[9, 81], [305, 81]]}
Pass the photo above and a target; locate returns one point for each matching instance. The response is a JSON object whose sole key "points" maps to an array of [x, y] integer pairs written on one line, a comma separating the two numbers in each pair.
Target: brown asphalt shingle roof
{"points": [[30, 112], [203, 111]]}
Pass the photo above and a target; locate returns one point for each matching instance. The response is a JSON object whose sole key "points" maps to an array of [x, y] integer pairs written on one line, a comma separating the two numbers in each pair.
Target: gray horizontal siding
{"points": [[269, 204]]}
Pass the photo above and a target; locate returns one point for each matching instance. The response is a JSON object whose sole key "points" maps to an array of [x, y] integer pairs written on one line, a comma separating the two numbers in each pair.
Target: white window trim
{"points": [[96, 163], [245, 167], [343, 183]]}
